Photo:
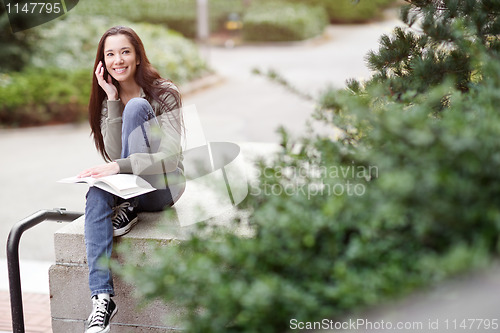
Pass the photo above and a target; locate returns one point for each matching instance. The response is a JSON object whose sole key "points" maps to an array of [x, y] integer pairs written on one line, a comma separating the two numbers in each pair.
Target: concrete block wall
{"points": [[68, 278]]}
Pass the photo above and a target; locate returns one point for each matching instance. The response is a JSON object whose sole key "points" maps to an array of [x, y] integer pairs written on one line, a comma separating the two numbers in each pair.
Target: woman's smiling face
{"points": [[120, 58]]}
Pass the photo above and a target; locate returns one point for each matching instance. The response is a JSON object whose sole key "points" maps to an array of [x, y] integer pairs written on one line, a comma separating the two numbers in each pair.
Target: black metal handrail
{"points": [[16, 297]]}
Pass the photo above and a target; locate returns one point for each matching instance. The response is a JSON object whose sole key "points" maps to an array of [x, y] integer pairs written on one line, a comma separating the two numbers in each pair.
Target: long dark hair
{"points": [[146, 76]]}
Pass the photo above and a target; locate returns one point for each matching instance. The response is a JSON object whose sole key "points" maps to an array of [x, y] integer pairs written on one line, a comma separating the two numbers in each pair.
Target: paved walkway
{"points": [[36, 313], [242, 108]]}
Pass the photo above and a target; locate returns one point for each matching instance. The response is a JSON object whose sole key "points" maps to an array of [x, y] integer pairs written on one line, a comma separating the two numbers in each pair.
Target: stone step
{"points": [[69, 241]]}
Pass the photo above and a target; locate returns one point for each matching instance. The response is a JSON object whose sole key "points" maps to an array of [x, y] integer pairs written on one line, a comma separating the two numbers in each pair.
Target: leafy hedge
{"points": [[40, 96], [279, 21], [349, 11], [14, 49]]}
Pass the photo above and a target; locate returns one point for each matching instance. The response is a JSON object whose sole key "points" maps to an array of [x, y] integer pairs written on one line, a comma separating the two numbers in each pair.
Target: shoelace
{"points": [[99, 313], [120, 213]]}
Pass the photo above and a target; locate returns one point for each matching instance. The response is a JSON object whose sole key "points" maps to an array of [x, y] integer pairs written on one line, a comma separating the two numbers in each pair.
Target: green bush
{"points": [[278, 21], [349, 11], [40, 96], [417, 209], [14, 49]]}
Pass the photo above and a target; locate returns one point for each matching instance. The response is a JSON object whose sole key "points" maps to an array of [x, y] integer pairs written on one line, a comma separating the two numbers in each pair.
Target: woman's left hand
{"points": [[107, 169]]}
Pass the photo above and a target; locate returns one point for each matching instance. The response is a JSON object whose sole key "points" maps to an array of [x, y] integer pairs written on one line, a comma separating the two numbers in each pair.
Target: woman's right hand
{"points": [[107, 85], [102, 170]]}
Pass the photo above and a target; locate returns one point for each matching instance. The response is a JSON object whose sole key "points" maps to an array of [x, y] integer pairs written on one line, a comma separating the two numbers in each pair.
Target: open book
{"points": [[123, 185]]}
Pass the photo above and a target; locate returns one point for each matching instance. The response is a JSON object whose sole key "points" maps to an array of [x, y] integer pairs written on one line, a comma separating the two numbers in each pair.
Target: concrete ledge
{"points": [[69, 241]]}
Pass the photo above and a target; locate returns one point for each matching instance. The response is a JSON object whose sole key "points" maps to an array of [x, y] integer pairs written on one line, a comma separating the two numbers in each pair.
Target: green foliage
{"points": [[14, 50], [297, 20], [350, 11], [443, 42], [39, 96], [341, 226], [278, 21]]}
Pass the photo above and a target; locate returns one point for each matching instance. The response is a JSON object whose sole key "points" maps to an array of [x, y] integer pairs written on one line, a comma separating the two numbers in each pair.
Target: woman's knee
{"points": [[137, 108]]}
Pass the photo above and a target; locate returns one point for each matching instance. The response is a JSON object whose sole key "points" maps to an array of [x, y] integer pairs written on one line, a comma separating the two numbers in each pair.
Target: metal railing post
{"points": [[16, 297]]}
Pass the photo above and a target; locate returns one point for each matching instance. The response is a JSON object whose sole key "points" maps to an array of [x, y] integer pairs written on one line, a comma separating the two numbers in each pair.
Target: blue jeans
{"points": [[99, 205]]}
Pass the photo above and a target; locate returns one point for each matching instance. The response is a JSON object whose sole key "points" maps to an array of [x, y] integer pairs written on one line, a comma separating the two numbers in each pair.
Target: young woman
{"points": [[136, 122]]}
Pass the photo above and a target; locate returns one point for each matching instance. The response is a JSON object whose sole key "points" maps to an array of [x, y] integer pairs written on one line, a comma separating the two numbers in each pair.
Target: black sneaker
{"points": [[103, 310], [124, 218]]}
